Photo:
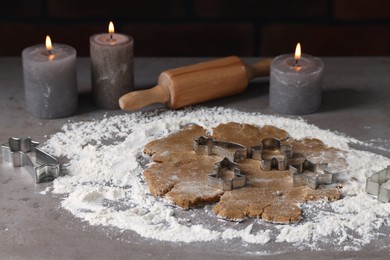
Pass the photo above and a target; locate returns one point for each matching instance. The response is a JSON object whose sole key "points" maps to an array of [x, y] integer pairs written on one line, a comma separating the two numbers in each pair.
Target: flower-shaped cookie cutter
{"points": [[378, 185], [15, 152], [226, 176], [306, 173]]}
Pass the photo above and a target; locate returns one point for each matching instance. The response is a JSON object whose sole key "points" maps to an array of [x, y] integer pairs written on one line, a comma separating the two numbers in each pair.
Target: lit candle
{"points": [[112, 67], [295, 83], [50, 80]]}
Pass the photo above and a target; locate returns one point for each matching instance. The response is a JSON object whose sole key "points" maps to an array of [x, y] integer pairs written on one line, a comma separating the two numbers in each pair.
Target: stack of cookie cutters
{"points": [[16, 150], [378, 185]]}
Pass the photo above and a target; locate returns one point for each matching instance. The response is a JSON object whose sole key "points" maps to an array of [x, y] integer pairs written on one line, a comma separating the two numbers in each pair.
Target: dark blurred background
{"points": [[203, 27]]}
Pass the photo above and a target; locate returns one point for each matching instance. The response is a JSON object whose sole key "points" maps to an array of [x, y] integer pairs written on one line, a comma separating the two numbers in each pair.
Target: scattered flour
{"points": [[45, 191], [105, 186]]}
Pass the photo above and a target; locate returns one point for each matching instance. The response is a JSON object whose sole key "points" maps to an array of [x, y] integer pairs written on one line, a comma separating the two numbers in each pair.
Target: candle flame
{"points": [[111, 29], [49, 46], [297, 55]]}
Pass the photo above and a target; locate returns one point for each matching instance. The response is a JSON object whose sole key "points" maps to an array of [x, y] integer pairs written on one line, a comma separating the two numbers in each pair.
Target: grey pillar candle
{"points": [[295, 84], [112, 68], [50, 80]]}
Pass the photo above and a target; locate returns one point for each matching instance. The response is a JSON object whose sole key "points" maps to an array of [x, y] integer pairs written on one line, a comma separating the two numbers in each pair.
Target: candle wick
{"points": [[111, 36], [296, 62], [50, 52]]}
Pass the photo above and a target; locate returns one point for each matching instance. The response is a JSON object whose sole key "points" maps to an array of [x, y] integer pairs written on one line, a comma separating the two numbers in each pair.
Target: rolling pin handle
{"points": [[138, 99], [259, 69]]}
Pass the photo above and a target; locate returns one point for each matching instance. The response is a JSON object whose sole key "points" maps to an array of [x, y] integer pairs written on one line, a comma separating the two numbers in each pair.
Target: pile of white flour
{"points": [[105, 185]]}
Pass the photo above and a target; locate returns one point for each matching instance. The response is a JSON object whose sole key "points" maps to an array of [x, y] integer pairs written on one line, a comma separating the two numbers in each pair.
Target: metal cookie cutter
{"points": [[272, 154], [208, 146], [226, 176], [15, 151], [379, 185], [305, 173]]}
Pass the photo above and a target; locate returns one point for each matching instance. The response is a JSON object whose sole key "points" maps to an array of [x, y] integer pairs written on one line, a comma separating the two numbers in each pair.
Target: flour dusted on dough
{"points": [[105, 185]]}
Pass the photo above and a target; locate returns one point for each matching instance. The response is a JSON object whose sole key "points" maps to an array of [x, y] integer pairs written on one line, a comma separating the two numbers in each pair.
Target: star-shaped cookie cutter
{"points": [[209, 146], [272, 154], [226, 176], [378, 185], [306, 173], [15, 152]]}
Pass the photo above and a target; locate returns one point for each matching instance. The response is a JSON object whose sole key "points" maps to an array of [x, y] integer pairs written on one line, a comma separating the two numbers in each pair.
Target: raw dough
{"points": [[180, 175]]}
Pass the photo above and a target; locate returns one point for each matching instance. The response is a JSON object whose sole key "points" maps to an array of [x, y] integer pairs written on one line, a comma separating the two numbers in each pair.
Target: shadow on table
{"points": [[338, 99], [86, 104], [255, 90], [332, 99]]}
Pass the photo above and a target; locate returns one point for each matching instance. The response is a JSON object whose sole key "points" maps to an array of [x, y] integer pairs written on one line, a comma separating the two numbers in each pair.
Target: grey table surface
{"points": [[356, 101]]}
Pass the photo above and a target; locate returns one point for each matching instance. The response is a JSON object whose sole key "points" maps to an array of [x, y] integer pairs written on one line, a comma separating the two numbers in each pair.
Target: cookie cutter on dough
{"points": [[306, 173], [209, 146], [226, 176], [15, 152], [272, 154], [378, 185]]}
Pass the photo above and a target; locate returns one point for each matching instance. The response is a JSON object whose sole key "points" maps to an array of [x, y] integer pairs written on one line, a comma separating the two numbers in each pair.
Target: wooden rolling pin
{"points": [[197, 83]]}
